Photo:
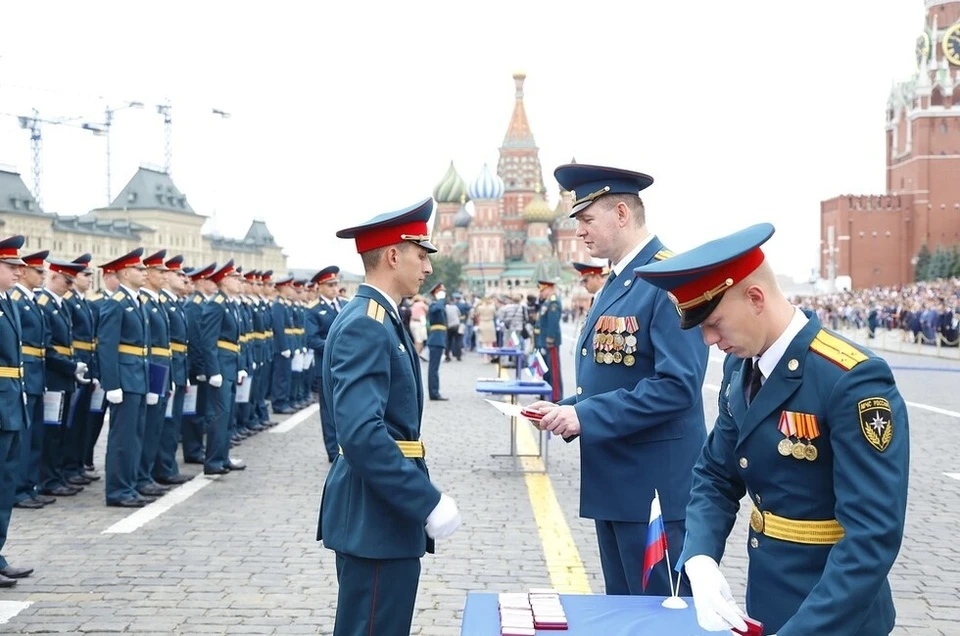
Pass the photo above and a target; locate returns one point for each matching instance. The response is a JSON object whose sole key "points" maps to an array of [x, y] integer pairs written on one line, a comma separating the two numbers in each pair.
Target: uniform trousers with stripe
{"points": [[376, 596]]}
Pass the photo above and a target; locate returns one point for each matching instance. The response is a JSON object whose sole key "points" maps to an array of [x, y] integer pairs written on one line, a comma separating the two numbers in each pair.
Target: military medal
{"points": [[785, 447], [617, 357], [629, 360], [810, 453], [804, 426], [608, 358], [630, 340], [799, 450]]}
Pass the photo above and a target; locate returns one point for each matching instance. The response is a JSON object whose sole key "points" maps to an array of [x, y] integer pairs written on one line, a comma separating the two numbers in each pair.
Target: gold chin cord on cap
{"points": [[415, 237], [706, 296], [590, 197]]}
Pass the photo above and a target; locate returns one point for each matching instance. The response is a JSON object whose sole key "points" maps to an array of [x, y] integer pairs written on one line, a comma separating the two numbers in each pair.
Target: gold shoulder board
{"points": [[119, 296], [218, 299], [376, 311], [43, 300], [662, 255], [198, 299], [16, 295], [836, 350], [68, 295], [313, 303]]}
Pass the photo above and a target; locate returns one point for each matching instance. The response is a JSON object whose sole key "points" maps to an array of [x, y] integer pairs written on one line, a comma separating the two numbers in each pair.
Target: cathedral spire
{"points": [[518, 132]]}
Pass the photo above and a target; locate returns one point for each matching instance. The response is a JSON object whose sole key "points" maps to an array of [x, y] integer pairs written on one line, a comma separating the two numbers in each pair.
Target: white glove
{"points": [[241, 376], [96, 383], [716, 609], [444, 520], [115, 396], [152, 398], [201, 378], [254, 365], [216, 381], [81, 371], [285, 353]]}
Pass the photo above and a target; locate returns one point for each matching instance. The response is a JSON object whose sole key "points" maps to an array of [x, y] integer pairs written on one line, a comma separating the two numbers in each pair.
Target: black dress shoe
{"points": [[286, 411], [440, 398], [174, 480], [216, 471], [91, 474], [60, 491], [78, 480], [45, 500], [152, 490], [193, 460], [28, 503], [128, 503], [16, 573], [146, 500], [6, 581]]}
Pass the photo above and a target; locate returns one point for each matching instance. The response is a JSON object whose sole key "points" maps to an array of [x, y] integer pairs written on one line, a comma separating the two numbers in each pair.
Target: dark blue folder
{"points": [[159, 379]]}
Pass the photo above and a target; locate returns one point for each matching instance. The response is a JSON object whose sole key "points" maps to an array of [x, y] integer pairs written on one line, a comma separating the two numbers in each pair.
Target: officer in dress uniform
{"points": [[34, 337], [320, 316], [548, 337], [436, 339], [63, 371], [283, 346], [161, 359], [241, 410], [13, 412], [123, 345], [813, 429], [263, 288], [165, 469], [220, 325], [194, 425], [379, 510], [84, 319], [297, 397], [638, 407], [110, 286]]}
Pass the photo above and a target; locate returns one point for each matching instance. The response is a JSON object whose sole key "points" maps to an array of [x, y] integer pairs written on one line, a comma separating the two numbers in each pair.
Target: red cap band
{"points": [[706, 287], [391, 235]]}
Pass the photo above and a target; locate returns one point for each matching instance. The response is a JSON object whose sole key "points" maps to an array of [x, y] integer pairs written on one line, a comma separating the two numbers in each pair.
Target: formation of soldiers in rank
{"points": [[177, 356]]}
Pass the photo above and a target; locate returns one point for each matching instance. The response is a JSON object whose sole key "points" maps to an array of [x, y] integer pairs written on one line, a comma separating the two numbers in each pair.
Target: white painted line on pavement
{"points": [[150, 512], [933, 409], [953, 475], [295, 419], [9, 609]]}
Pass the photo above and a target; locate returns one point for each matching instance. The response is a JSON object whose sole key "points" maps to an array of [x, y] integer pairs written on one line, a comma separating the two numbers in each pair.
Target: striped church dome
{"points": [[487, 186], [451, 189]]}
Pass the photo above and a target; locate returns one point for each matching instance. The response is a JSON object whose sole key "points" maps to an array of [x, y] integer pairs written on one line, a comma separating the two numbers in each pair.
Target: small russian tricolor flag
{"points": [[538, 366], [656, 540]]}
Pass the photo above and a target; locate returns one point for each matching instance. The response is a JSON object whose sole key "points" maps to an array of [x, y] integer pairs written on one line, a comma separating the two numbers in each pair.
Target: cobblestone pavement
{"points": [[239, 555]]}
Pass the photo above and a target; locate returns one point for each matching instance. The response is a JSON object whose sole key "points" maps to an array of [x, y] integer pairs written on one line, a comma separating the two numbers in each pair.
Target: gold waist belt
{"points": [[438, 327], [11, 372], [36, 352], [84, 346], [178, 347], [229, 346], [65, 351], [826, 532], [132, 350], [161, 351], [410, 450]]}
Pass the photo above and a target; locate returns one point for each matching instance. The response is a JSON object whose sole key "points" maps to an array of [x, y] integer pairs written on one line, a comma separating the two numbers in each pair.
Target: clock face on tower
{"points": [[951, 44], [923, 49]]}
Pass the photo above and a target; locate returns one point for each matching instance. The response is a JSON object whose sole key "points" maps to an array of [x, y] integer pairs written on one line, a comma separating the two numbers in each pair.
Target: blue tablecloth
{"points": [[513, 387], [499, 351], [592, 615]]}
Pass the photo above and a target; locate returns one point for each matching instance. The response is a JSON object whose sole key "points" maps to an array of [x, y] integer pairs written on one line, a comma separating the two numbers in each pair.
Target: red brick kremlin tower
{"points": [[872, 240]]}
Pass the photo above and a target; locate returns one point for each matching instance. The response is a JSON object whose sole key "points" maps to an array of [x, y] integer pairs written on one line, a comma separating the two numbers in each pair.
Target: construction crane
{"points": [[165, 110], [32, 123], [103, 130]]}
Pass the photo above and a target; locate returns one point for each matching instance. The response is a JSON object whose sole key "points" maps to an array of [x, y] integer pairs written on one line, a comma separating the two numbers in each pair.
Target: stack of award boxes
{"points": [[523, 614]]}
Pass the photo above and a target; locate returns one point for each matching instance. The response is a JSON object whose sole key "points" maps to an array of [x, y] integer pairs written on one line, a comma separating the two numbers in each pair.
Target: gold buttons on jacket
{"points": [[743, 462]]}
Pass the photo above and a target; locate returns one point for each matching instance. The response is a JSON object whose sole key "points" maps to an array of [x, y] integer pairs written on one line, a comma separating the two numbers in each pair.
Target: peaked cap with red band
{"points": [[283, 282], [698, 279], [543, 284], [226, 270], [10, 250], [84, 259], [327, 275], [586, 269], [67, 268], [155, 260], [390, 228], [202, 272], [251, 276], [131, 259], [175, 264], [36, 260], [267, 276]]}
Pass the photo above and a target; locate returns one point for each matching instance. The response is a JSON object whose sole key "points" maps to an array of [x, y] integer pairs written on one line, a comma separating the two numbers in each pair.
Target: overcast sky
{"points": [[742, 111]]}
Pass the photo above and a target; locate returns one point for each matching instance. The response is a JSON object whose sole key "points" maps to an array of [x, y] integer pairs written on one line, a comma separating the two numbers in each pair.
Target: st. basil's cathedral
{"points": [[514, 237]]}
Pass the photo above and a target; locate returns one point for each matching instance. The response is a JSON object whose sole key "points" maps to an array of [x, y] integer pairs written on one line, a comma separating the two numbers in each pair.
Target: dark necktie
{"points": [[756, 377]]}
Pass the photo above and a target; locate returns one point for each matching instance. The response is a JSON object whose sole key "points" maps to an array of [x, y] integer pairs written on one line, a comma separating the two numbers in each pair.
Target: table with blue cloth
{"points": [[592, 615], [504, 352], [512, 389]]}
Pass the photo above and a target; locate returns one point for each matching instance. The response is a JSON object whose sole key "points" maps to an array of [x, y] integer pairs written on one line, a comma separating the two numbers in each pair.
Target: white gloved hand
{"points": [[80, 372], [285, 353], [152, 398], [96, 383], [201, 378], [216, 381], [254, 365], [115, 396], [241, 376], [716, 609], [445, 518]]}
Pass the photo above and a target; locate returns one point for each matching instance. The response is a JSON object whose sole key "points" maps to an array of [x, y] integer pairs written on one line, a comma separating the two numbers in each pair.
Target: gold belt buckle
{"points": [[756, 521]]}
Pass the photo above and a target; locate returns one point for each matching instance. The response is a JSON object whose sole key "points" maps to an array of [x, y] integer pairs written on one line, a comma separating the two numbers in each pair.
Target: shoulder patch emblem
{"points": [[662, 255], [876, 422], [197, 299], [838, 351], [218, 299], [119, 296], [376, 311], [43, 300]]}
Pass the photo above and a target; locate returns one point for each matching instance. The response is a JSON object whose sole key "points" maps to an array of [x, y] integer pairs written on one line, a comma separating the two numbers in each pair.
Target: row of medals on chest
{"points": [[614, 341], [802, 426]]}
